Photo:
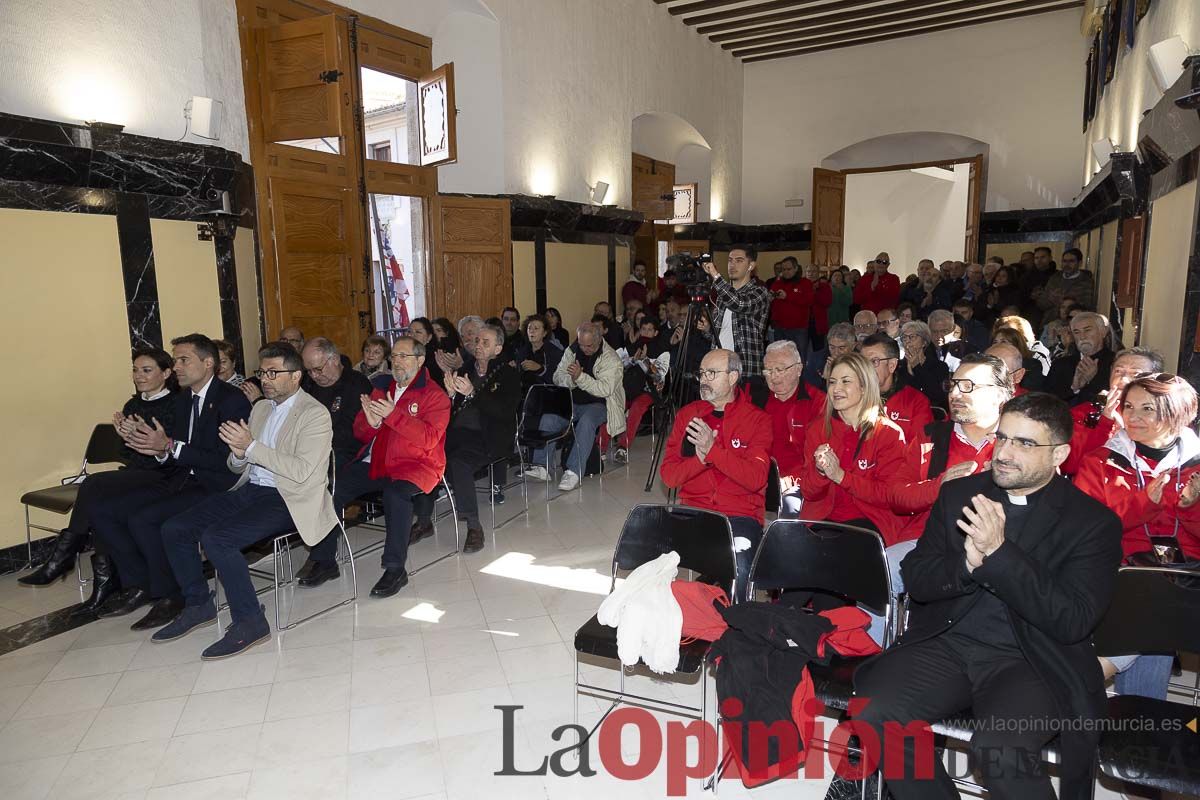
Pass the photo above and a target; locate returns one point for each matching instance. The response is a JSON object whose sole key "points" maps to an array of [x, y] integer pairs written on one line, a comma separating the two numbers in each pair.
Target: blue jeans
{"points": [[894, 554], [746, 528], [1142, 676], [223, 524], [588, 419], [790, 503]]}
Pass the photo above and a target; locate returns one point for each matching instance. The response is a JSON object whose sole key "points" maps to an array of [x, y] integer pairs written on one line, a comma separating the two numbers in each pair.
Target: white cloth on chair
{"points": [[646, 615]]}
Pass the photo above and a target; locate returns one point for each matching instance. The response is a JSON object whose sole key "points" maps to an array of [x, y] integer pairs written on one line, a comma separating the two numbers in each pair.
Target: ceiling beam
{"points": [[964, 12], [800, 24], [757, 8], [788, 52], [699, 5], [785, 16]]}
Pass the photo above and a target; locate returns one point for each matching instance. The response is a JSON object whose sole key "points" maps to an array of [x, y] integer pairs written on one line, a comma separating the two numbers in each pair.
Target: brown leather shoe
{"points": [[420, 532], [474, 542]]}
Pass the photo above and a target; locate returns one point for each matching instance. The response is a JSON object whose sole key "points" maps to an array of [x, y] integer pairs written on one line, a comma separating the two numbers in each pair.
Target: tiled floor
{"points": [[380, 699]]}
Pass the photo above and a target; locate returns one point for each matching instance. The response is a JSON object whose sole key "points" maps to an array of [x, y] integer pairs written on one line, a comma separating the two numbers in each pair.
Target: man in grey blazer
{"points": [[282, 456]]}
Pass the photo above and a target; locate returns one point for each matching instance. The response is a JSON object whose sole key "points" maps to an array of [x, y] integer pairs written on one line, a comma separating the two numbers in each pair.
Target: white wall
{"points": [[1016, 85], [1133, 90], [910, 215], [132, 62]]}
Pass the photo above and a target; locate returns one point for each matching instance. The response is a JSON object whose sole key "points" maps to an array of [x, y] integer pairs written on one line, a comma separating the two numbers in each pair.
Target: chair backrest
{"points": [[939, 414], [545, 398], [703, 540], [1153, 610], [774, 492], [826, 557], [105, 446]]}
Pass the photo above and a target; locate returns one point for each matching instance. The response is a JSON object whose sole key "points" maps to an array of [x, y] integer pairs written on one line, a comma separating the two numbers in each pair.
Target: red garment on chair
{"points": [[700, 618]]}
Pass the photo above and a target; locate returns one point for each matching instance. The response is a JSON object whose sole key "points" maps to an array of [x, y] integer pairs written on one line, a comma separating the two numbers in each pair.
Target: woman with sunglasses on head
{"points": [[1149, 474], [556, 332]]}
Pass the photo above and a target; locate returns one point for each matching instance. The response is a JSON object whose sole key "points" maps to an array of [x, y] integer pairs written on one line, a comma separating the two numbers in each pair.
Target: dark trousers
{"points": [[129, 529], [223, 525], [461, 467], [939, 677], [748, 528], [105, 486], [353, 481]]}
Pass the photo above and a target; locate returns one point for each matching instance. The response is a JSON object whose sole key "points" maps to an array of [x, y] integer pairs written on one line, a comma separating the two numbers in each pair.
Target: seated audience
{"points": [[1010, 354], [1082, 375], [1012, 574], [669, 288], [1149, 474], [946, 339], [646, 363], [282, 460], [914, 293], [839, 341], [718, 455], [1004, 292], [925, 372], [865, 324], [192, 455], [293, 336], [403, 433], [154, 402], [792, 298], [538, 355], [338, 389], [556, 330], [420, 329], [1099, 418], [510, 321], [450, 361], [227, 367], [445, 346], [974, 333], [687, 355], [374, 361], [483, 427], [854, 437], [792, 406], [902, 404], [889, 324], [1031, 378], [1066, 310], [443, 329], [1058, 339], [907, 313], [592, 371]]}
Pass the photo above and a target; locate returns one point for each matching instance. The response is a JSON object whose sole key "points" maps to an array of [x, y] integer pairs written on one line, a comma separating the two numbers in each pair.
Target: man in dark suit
{"points": [[194, 455], [1011, 576], [1083, 374]]}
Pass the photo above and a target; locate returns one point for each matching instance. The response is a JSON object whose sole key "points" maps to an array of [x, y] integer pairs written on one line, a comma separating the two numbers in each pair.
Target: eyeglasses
{"points": [[710, 374], [875, 362], [885, 263], [908, 337], [405, 355], [963, 385], [773, 371], [272, 374], [1020, 442], [294, 342]]}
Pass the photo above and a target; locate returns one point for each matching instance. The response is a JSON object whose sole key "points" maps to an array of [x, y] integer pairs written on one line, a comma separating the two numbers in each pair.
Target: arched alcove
{"points": [[667, 137], [913, 147]]}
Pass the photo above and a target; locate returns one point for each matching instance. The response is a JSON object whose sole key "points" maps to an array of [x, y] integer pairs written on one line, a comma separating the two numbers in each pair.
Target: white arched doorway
{"points": [[915, 194]]}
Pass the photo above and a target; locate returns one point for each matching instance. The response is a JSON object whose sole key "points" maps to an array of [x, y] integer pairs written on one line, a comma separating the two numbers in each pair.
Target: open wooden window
{"points": [[435, 115], [304, 66]]}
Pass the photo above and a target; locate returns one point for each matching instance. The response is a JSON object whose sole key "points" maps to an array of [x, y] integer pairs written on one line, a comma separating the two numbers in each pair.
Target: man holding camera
{"points": [[740, 317]]}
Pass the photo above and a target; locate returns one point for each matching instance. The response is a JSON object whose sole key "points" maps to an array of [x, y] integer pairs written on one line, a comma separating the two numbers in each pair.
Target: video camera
{"points": [[689, 271]]}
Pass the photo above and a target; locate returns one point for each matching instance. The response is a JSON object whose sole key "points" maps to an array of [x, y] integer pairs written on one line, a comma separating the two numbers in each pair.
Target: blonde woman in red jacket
{"points": [[1149, 474]]}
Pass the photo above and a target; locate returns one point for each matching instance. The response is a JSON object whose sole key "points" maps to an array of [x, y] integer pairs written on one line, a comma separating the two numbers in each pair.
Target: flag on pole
{"points": [[398, 292]]}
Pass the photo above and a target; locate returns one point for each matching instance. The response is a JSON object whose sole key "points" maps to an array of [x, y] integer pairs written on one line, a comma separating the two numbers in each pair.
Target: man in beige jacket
{"points": [[283, 459]]}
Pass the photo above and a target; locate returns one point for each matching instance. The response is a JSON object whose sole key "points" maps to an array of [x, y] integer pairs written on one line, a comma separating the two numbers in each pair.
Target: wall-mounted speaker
{"points": [[1102, 149], [206, 117], [1166, 61], [599, 192]]}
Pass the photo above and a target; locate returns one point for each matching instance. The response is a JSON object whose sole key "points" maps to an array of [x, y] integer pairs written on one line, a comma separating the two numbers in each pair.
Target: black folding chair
{"points": [[774, 490], [542, 399], [704, 542], [1152, 742], [503, 464], [104, 447], [373, 510]]}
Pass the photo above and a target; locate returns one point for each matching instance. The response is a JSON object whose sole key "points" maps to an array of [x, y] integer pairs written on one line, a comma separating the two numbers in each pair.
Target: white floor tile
{"points": [[63, 697], [213, 754], [28, 739], [470, 712], [465, 673], [292, 741], [516, 633], [318, 779], [391, 725], [136, 722], [309, 696], [226, 787], [394, 651], [541, 661], [109, 771], [409, 771], [376, 687], [156, 683], [229, 708], [256, 668], [94, 661], [30, 780]]}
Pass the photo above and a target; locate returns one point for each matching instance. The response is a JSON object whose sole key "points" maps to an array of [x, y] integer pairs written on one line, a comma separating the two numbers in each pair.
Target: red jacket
{"points": [[879, 455], [789, 420], [913, 491], [1115, 474], [885, 295], [910, 410], [634, 290], [822, 300], [792, 311], [733, 479], [410, 445]]}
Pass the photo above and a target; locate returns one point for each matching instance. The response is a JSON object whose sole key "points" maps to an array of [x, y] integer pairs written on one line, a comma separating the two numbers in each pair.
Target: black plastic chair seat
{"points": [[537, 438], [59, 499], [600, 640], [1148, 742]]}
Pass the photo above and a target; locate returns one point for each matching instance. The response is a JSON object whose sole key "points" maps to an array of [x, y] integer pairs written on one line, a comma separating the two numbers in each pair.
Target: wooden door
{"points": [[472, 260], [976, 181], [1131, 252], [304, 67], [318, 247], [828, 217], [653, 188]]}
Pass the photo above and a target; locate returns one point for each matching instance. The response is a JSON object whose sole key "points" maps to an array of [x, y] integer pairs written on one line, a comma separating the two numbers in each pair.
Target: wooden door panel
{"points": [[388, 53], [294, 163], [829, 216], [975, 183], [299, 99], [652, 181], [473, 245]]}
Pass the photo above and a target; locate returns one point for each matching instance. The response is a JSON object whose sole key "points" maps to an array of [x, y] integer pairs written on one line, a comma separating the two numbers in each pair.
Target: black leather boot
{"points": [[61, 561], [104, 585]]}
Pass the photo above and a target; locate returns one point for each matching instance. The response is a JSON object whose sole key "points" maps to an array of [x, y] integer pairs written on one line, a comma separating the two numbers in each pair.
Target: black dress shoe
{"points": [[318, 574], [420, 530], [162, 612], [474, 542], [60, 563], [127, 602], [392, 581], [104, 586]]}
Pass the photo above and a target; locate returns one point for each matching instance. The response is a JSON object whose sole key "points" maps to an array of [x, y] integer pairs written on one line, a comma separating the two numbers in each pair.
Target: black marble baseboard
{"points": [[15, 557]]}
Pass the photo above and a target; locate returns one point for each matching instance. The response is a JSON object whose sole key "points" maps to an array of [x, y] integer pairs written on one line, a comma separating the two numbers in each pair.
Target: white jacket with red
{"points": [[1117, 476]]}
